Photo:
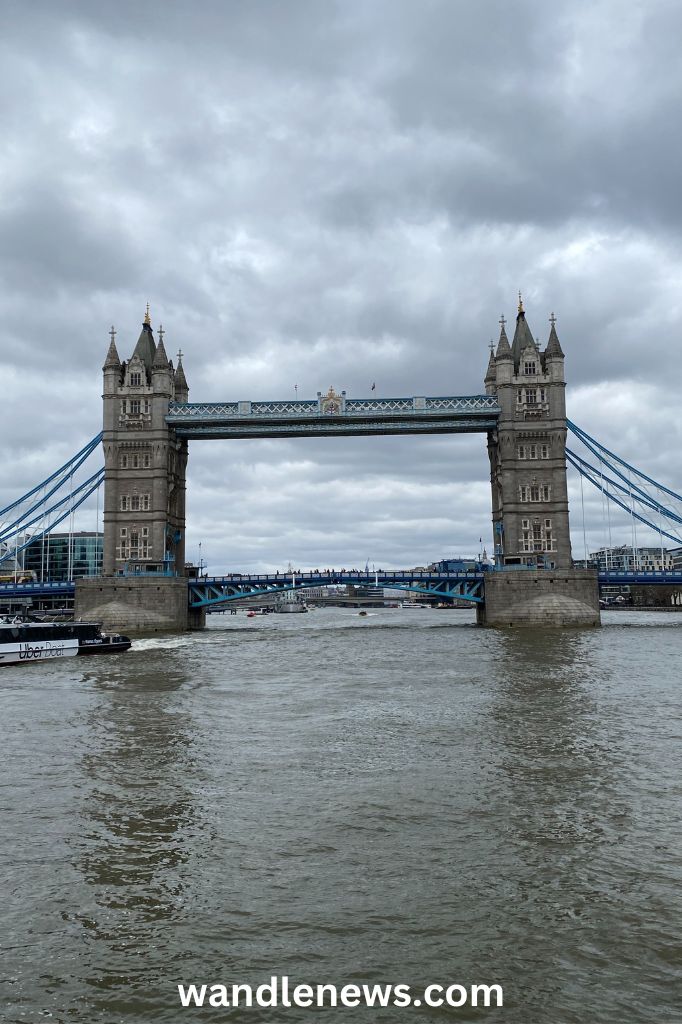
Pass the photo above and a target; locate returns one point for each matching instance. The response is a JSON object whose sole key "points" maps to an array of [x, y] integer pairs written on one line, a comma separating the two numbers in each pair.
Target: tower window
{"points": [[544, 451], [531, 396], [535, 492], [134, 406], [123, 462], [124, 503], [135, 379], [536, 538], [527, 451], [529, 367]]}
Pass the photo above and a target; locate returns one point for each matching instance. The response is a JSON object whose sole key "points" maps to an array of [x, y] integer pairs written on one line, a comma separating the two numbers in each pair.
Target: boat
{"points": [[27, 640], [290, 601]]}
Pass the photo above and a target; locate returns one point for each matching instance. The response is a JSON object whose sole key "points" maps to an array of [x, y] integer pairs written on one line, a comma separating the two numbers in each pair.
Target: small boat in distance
{"points": [[26, 640]]}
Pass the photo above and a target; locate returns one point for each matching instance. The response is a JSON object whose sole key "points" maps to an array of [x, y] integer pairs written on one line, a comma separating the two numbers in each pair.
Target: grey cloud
{"points": [[339, 193]]}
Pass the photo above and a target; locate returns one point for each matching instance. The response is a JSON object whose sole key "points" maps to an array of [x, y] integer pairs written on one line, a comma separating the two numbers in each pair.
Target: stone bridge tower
{"points": [[539, 585], [145, 463], [528, 450]]}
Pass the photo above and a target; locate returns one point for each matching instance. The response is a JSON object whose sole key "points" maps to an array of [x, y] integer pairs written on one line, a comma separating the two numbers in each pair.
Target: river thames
{"points": [[397, 798]]}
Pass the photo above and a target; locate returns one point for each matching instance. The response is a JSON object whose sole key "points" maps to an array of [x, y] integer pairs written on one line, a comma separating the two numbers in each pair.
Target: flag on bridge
{"points": [[374, 386]]}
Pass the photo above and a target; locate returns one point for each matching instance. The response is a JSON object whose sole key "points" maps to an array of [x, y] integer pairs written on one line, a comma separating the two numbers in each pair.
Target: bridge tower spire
{"points": [[145, 462], [528, 450]]}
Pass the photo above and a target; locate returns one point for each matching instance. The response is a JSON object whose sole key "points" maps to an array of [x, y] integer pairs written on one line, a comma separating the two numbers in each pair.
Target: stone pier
{"points": [[537, 598], [137, 604]]}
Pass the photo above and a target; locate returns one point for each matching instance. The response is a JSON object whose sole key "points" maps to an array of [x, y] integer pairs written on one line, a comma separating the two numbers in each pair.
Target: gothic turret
{"points": [[112, 368], [553, 346], [160, 357], [112, 360], [553, 354], [503, 349], [523, 339], [504, 363], [491, 373], [181, 386], [145, 350]]}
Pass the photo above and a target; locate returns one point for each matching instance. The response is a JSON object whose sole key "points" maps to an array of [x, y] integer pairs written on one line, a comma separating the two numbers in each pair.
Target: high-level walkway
{"points": [[334, 414]]}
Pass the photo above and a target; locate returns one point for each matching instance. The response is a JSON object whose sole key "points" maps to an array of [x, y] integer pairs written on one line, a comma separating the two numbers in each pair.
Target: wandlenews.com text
{"points": [[283, 993]]}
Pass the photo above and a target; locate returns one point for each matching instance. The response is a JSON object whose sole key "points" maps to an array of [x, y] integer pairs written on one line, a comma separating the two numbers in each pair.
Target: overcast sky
{"points": [[321, 193]]}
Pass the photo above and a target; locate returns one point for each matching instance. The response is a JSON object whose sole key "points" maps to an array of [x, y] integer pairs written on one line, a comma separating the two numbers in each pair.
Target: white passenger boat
{"points": [[23, 641]]}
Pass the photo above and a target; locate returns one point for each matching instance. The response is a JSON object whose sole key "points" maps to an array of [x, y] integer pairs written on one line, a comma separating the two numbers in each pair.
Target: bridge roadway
{"points": [[212, 590]]}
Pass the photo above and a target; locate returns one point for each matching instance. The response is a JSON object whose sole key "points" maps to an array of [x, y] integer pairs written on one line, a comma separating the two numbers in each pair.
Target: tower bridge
{"points": [[148, 422]]}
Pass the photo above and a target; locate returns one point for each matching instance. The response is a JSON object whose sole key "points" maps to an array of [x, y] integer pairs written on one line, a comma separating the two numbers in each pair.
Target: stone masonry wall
{"points": [[134, 604], [526, 597]]}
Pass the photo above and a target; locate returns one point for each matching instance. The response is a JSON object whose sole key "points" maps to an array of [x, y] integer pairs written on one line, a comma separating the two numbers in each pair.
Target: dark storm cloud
{"points": [[312, 194]]}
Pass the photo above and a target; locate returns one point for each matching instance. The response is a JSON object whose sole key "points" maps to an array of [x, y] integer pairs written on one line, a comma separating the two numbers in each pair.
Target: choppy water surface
{"points": [[397, 798]]}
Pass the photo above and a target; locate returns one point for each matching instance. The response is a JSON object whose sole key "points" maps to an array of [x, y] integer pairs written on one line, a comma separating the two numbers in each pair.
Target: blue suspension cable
{"points": [[588, 441], [643, 499], [612, 497], [10, 531], [87, 450], [628, 479], [71, 467], [44, 533]]}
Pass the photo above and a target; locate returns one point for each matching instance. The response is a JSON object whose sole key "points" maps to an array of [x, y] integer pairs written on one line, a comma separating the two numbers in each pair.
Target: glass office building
{"points": [[63, 556]]}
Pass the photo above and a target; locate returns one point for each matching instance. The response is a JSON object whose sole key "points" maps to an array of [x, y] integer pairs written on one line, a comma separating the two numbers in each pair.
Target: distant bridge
{"points": [[465, 586]]}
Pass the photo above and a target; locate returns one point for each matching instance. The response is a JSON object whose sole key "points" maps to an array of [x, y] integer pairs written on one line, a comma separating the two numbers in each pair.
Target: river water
{"points": [[397, 798]]}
